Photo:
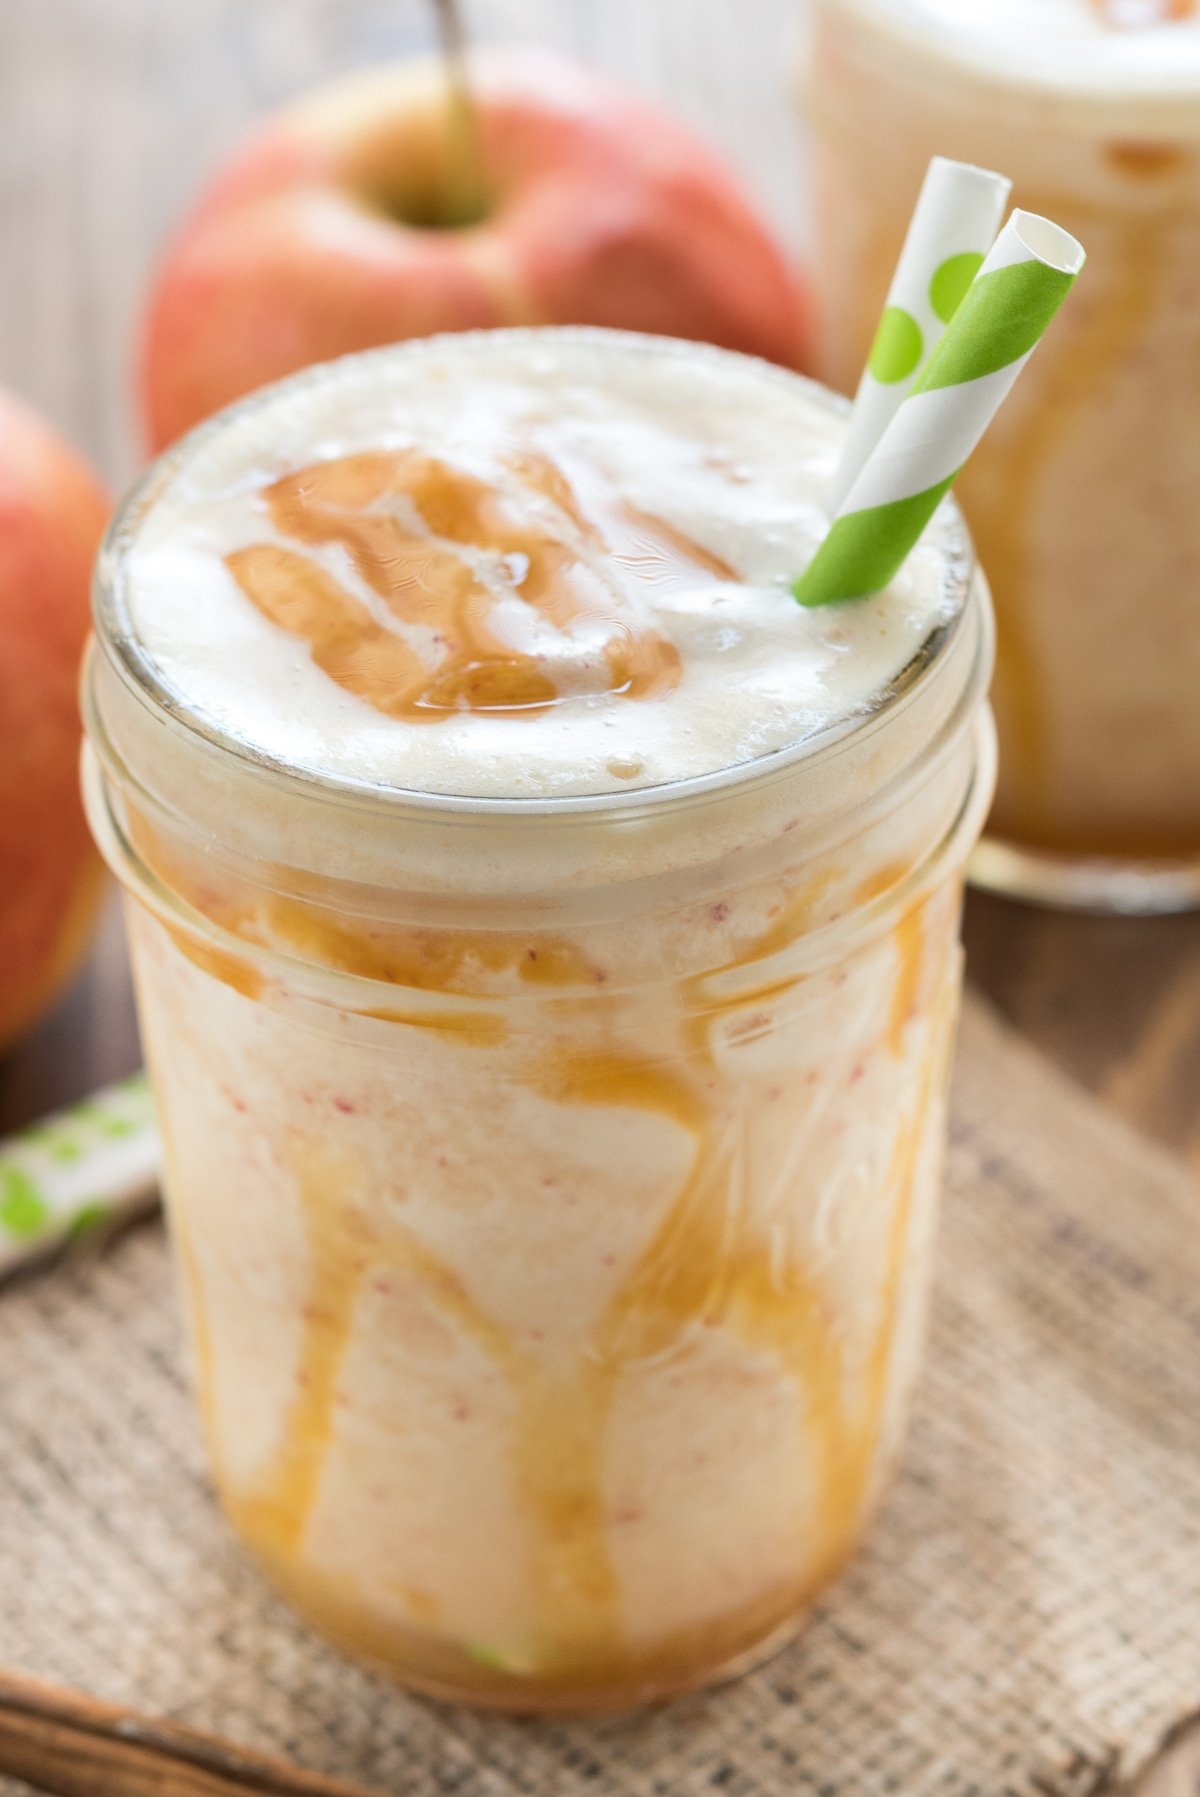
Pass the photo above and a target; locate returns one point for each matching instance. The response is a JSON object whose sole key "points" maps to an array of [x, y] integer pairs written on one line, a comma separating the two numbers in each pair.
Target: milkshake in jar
{"points": [[1083, 498], [546, 938]]}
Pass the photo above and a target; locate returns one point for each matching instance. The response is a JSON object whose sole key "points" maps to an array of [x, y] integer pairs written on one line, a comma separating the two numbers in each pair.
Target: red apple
{"points": [[52, 513], [329, 232]]}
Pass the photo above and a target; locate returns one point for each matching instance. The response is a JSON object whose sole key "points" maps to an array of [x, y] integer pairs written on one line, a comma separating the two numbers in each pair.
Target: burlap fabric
{"points": [[1025, 1620]]}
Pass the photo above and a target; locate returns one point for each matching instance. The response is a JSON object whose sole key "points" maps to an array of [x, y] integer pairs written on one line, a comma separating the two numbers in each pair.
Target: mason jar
{"points": [[1082, 496], [552, 1181]]}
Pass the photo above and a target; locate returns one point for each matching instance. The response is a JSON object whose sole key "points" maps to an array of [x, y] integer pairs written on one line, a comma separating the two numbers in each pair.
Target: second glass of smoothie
{"points": [[546, 937], [1083, 496]]}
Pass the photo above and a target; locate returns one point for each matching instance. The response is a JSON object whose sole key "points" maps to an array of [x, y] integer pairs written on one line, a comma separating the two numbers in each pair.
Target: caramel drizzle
{"points": [[344, 1245], [699, 1271], [448, 962], [433, 551], [905, 993]]}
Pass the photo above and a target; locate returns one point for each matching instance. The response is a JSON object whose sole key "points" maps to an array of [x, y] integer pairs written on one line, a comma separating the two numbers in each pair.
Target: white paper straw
{"points": [[957, 215], [93, 1163], [1024, 279]]}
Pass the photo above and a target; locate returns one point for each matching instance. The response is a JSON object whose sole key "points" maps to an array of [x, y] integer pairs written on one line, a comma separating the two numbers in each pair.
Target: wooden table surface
{"points": [[113, 113]]}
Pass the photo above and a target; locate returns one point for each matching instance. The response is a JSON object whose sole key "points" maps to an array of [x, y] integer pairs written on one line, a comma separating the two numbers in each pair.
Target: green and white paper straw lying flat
{"points": [[1024, 279], [93, 1163], [953, 226]]}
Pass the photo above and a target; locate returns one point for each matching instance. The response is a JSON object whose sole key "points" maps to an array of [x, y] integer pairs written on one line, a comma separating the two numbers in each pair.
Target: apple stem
{"points": [[465, 196]]}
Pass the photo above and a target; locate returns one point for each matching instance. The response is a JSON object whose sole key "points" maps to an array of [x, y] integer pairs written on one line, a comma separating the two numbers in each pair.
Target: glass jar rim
{"points": [[137, 672]]}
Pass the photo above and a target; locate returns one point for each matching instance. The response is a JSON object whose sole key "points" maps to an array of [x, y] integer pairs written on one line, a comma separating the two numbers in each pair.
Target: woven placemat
{"points": [[1025, 1620]]}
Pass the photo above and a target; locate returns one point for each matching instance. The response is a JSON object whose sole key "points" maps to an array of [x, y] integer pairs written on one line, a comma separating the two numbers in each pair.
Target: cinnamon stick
{"points": [[69, 1745]]}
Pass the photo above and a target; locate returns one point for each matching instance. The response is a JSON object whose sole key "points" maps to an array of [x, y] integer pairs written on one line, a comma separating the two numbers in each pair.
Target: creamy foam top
{"points": [[1116, 46], [521, 564]]}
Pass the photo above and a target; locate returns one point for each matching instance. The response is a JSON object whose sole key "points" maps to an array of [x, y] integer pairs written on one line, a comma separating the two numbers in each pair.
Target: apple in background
{"points": [[52, 514], [334, 229]]}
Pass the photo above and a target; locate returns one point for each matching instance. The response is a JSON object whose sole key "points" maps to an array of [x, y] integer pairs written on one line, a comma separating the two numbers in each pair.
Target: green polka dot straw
{"points": [[957, 215], [76, 1170], [1024, 279]]}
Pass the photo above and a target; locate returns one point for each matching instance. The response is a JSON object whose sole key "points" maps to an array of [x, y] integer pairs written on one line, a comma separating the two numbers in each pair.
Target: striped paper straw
{"points": [[1024, 280], [957, 215], [81, 1168]]}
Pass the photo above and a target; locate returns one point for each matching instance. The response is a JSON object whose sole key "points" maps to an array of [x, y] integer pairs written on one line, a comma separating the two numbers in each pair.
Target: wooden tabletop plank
{"points": [[1115, 1000]]}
